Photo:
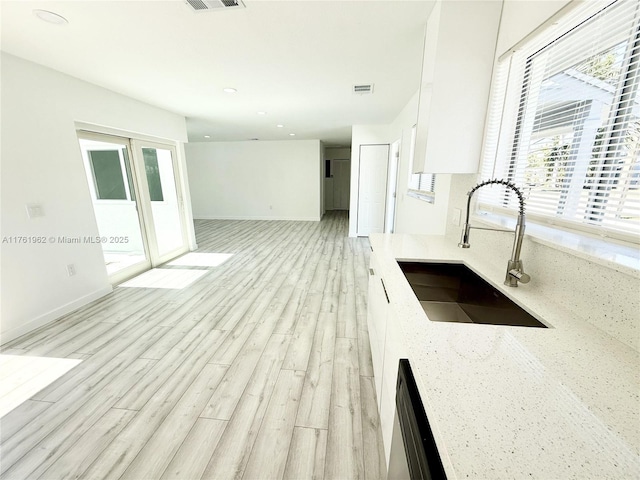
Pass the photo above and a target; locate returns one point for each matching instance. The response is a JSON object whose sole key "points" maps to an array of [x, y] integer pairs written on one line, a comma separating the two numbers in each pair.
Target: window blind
{"points": [[564, 123]]}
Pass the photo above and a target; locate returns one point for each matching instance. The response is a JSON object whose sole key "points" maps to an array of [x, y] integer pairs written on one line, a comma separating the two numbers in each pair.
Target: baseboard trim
{"points": [[52, 315], [251, 217]]}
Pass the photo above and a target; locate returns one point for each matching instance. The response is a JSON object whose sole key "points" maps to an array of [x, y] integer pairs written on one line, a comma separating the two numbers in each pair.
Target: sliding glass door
{"points": [[137, 202]]}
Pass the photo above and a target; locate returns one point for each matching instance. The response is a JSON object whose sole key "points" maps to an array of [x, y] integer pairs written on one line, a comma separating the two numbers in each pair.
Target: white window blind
{"points": [[423, 182], [564, 123]]}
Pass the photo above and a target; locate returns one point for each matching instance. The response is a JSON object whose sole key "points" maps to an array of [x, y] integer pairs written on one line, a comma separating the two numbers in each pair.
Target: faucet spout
{"points": [[515, 272]]}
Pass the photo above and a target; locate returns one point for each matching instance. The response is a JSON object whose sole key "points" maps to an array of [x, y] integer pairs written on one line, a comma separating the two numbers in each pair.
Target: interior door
{"points": [[163, 203], [341, 184], [372, 189], [112, 183]]}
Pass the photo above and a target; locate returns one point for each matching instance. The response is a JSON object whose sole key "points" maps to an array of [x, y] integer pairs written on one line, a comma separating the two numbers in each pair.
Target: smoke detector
{"points": [[363, 88], [205, 5]]}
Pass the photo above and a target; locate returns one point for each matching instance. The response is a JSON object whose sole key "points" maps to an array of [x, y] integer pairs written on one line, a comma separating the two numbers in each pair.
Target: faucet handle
{"points": [[515, 274], [521, 276], [464, 239]]}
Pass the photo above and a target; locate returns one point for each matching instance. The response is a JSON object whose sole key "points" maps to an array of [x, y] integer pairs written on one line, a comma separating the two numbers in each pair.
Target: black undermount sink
{"points": [[450, 292]]}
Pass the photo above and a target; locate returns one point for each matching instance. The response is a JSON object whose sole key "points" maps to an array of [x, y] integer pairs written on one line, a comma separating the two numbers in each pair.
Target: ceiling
{"points": [[295, 60]]}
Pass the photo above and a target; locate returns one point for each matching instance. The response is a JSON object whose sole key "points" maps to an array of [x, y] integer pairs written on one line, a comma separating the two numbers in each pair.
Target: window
{"points": [[564, 124], [421, 185], [153, 174], [108, 178]]}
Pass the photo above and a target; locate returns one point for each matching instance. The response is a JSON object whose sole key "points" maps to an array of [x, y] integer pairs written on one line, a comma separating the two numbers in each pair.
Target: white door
{"points": [[372, 189], [341, 184], [393, 187]]}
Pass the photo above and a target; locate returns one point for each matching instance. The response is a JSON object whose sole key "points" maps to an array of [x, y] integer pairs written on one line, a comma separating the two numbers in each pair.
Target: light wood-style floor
{"points": [[260, 369]]}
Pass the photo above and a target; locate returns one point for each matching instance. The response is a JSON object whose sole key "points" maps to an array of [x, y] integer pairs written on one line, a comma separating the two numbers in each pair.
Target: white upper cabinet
{"points": [[460, 42]]}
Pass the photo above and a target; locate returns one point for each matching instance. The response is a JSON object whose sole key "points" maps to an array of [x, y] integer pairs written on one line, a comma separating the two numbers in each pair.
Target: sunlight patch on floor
{"points": [[196, 259], [119, 261], [172, 278], [23, 376]]}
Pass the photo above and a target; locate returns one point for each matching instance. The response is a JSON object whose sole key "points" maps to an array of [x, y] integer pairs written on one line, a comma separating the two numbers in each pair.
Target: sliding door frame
{"points": [[143, 201], [135, 269], [156, 257]]}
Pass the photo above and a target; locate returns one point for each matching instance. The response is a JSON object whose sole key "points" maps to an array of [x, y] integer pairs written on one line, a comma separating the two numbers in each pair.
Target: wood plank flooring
{"points": [[258, 369]]}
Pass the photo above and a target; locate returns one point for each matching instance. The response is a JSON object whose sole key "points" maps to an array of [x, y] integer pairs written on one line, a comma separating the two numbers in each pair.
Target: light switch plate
{"points": [[34, 210]]}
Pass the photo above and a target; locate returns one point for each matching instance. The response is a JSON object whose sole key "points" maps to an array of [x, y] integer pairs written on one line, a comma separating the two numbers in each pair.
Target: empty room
{"points": [[320, 239]]}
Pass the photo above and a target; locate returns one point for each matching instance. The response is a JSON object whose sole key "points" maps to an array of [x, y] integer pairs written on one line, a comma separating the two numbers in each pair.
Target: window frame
{"points": [[123, 173], [503, 159]]}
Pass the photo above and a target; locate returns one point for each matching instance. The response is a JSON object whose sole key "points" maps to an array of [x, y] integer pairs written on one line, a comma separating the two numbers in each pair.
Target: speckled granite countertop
{"points": [[516, 402]]}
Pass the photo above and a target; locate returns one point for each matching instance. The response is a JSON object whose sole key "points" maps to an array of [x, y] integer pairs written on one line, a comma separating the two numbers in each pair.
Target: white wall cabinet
{"points": [[460, 43]]}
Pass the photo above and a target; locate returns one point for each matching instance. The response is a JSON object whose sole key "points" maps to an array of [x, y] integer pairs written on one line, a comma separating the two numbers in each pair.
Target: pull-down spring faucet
{"points": [[515, 272]]}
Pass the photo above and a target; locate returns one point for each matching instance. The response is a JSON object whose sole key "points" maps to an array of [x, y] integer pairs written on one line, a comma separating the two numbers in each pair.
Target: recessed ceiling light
{"points": [[292, 134], [50, 17], [207, 136], [280, 126], [262, 113], [229, 90]]}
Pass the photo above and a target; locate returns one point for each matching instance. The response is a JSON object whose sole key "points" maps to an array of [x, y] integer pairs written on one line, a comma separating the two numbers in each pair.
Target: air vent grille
{"points": [[363, 88], [197, 4], [204, 5]]}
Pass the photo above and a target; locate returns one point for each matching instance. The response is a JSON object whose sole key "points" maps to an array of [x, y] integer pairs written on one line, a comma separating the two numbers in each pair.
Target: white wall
{"points": [[41, 163], [270, 180], [337, 153]]}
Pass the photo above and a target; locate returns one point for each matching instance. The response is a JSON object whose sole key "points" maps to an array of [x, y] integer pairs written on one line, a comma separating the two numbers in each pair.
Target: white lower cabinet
{"points": [[393, 351], [386, 350], [377, 311]]}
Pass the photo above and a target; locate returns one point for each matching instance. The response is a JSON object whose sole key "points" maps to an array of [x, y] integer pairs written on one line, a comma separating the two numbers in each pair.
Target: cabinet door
{"points": [[454, 91], [393, 351], [377, 312]]}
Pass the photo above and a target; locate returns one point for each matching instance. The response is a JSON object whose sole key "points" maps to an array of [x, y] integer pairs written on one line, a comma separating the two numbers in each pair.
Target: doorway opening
{"points": [[337, 181]]}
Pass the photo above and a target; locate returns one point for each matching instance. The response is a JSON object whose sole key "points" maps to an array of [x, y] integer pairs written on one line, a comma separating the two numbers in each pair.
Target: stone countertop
{"points": [[516, 402]]}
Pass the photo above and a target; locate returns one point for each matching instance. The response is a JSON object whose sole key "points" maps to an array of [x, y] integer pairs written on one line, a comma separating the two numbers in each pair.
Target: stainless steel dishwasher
{"points": [[414, 454]]}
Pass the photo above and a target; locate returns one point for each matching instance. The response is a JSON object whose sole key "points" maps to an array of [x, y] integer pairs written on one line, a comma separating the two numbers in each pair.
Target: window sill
{"points": [[428, 197], [622, 257]]}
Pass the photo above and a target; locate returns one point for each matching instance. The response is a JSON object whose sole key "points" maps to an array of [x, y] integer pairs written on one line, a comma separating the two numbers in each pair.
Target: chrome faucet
{"points": [[515, 272]]}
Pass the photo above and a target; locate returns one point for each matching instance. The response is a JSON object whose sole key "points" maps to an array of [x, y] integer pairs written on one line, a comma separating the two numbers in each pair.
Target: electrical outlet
{"points": [[71, 269], [455, 218]]}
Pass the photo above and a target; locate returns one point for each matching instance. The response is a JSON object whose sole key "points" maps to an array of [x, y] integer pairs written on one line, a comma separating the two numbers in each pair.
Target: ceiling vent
{"points": [[205, 5], [363, 89]]}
